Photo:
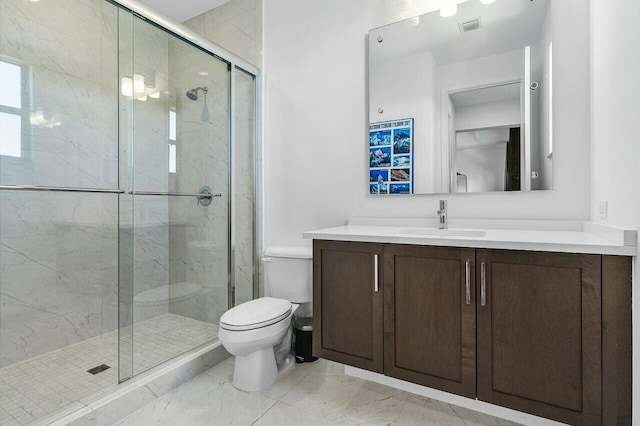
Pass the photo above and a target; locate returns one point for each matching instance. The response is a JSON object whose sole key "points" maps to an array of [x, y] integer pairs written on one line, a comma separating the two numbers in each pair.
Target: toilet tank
{"points": [[288, 273]]}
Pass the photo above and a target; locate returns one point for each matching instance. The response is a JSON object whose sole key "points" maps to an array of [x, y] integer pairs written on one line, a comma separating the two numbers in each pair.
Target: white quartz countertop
{"points": [[554, 240]]}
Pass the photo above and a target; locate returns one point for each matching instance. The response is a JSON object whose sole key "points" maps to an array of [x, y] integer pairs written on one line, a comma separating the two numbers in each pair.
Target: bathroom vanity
{"points": [[536, 321]]}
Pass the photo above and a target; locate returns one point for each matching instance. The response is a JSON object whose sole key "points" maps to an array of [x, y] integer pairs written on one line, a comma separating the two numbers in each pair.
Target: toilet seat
{"points": [[255, 314]]}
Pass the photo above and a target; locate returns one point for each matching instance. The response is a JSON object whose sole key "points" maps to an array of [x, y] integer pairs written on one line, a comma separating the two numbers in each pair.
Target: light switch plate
{"points": [[603, 207]]}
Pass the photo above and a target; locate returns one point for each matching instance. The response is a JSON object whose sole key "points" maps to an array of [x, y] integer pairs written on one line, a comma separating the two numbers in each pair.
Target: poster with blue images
{"points": [[391, 157]]}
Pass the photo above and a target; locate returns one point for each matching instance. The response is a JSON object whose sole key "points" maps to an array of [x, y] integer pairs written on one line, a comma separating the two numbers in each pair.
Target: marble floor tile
{"points": [[312, 394], [205, 400], [40, 386], [419, 410], [285, 414], [346, 401], [223, 371]]}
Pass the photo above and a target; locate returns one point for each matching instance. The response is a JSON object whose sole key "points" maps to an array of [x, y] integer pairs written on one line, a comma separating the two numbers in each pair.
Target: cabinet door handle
{"points": [[467, 280], [375, 273], [483, 285]]}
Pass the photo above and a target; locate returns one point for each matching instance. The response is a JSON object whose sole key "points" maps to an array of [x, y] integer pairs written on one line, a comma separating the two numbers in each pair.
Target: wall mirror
{"points": [[461, 99]]}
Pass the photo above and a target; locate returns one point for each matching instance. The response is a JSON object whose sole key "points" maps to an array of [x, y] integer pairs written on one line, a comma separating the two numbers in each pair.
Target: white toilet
{"points": [[258, 332]]}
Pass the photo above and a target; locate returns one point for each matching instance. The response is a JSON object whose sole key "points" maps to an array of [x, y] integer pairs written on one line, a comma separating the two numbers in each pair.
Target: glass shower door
{"points": [[174, 217], [58, 204]]}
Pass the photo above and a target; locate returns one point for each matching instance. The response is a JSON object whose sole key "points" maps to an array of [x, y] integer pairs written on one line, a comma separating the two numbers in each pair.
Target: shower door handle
{"points": [[205, 196], [176, 194]]}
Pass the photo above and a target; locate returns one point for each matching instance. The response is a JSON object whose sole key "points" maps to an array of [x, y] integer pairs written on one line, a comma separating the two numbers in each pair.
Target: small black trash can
{"points": [[304, 340]]}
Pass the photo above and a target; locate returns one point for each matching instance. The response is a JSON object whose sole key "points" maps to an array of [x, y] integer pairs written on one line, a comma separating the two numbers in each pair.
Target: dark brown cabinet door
{"points": [[347, 303], [429, 328], [539, 333]]}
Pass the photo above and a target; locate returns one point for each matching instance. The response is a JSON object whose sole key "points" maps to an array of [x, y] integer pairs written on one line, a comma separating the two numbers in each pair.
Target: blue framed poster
{"points": [[391, 157]]}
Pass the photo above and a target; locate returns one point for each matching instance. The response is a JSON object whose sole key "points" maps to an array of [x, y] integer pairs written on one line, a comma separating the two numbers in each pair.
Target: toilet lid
{"points": [[256, 314]]}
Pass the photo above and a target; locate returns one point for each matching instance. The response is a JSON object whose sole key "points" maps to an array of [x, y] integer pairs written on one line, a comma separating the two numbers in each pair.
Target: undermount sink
{"points": [[435, 232]]}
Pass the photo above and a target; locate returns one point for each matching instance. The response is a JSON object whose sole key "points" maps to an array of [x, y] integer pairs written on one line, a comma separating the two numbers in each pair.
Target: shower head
{"points": [[193, 93]]}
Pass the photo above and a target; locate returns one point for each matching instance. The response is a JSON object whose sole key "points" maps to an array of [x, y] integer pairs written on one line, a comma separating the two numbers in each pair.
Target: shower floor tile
{"points": [[40, 386]]}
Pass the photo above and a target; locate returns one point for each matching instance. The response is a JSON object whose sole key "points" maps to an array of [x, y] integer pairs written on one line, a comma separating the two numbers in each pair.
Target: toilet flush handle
{"points": [[266, 259]]}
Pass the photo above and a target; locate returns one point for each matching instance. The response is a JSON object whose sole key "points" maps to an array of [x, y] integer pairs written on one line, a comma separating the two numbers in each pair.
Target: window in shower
{"points": [[10, 109], [172, 158]]}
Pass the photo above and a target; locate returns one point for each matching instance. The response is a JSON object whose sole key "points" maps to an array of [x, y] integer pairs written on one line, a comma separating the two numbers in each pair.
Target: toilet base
{"points": [[258, 371], [286, 364], [255, 372]]}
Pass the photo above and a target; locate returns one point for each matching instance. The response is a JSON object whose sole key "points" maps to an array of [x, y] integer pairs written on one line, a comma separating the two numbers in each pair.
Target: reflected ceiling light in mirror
{"points": [[404, 5], [127, 86], [487, 1], [448, 11]]}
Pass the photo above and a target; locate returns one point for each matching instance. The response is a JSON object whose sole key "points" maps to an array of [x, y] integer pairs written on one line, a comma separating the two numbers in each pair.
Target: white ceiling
{"points": [[482, 138], [184, 9], [506, 25]]}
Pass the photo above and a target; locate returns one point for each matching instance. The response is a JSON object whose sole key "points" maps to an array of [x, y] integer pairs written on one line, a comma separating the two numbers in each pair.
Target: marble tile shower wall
{"points": [[237, 26], [58, 252], [199, 241]]}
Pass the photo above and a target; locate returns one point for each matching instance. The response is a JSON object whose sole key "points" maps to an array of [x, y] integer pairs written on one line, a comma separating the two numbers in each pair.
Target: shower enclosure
{"points": [[127, 197]]}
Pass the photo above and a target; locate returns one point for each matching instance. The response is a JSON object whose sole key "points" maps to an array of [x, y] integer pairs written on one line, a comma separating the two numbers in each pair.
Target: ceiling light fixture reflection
{"points": [[448, 11], [404, 5], [37, 118], [138, 83], [487, 1], [127, 86]]}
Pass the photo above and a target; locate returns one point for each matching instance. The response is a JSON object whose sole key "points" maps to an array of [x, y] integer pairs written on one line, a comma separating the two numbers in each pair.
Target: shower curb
{"points": [[118, 401]]}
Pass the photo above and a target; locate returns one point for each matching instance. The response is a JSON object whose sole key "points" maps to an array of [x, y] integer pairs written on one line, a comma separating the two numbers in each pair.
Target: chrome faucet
{"points": [[442, 215]]}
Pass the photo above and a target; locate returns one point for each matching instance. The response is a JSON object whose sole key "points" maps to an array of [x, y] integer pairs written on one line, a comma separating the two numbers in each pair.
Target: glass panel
{"points": [[177, 98], [244, 186], [58, 251]]}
